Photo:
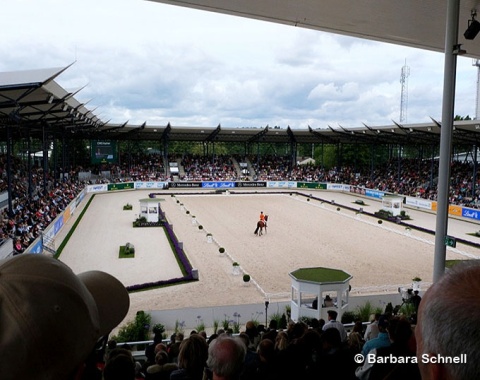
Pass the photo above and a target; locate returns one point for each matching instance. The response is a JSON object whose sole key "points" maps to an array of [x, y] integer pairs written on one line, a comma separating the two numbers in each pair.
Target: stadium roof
{"points": [[413, 23], [30, 100], [465, 132]]}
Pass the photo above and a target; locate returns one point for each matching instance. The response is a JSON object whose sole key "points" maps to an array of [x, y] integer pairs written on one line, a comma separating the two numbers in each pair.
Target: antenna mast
{"points": [[476, 62], [405, 73]]}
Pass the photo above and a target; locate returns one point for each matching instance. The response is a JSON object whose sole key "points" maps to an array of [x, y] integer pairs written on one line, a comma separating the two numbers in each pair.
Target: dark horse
{"points": [[261, 224]]}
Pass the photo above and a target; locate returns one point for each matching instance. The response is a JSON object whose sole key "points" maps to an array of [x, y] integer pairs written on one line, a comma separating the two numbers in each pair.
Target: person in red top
{"points": [[262, 216]]}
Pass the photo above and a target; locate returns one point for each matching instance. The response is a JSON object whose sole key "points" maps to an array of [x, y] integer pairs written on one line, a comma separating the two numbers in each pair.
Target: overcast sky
{"points": [[144, 61]]}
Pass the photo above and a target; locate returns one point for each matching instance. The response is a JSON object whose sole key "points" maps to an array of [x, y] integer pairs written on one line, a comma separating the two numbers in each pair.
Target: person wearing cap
{"points": [[333, 323], [382, 340], [51, 319]]}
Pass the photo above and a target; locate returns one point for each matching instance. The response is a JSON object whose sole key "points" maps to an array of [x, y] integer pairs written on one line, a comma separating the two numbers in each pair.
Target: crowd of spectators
{"points": [[200, 168], [270, 168], [36, 206], [409, 177], [321, 350]]}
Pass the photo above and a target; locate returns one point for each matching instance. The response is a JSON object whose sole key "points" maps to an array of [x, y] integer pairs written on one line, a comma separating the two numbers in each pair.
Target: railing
{"points": [[138, 347]]}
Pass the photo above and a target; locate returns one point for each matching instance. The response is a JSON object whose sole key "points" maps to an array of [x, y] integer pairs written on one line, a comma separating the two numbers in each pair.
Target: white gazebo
{"points": [[393, 204], [317, 290], [150, 209]]}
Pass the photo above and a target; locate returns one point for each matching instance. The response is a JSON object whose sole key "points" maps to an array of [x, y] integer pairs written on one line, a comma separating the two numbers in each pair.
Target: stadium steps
{"points": [[238, 170], [250, 168]]}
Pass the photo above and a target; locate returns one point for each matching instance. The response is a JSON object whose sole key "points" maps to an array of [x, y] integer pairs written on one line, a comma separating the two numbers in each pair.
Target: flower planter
{"points": [[236, 270], [416, 283], [209, 238]]}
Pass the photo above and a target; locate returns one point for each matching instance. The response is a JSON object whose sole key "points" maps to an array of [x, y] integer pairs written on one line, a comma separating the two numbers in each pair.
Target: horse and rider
{"points": [[261, 224]]}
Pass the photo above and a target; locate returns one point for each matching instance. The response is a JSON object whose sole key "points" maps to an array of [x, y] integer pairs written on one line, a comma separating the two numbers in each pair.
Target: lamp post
{"points": [[266, 312]]}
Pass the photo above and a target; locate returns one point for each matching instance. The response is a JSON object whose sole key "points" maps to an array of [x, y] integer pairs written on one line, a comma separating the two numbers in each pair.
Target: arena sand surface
{"points": [[301, 233]]}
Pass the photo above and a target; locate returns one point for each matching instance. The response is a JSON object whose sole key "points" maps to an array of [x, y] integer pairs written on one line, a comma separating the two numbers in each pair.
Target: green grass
{"points": [[452, 263], [476, 234], [320, 274], [360, 202]]}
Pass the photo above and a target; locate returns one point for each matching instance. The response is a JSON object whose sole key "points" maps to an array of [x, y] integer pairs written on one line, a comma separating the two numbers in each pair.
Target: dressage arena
{"points": [[301, 233]]}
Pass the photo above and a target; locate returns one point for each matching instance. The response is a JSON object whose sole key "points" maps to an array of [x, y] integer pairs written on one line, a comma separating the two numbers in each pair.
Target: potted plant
{"points": [[158, 329], [221, 250], [246, 278], [209, 237], [416, 283], [200, 227]]}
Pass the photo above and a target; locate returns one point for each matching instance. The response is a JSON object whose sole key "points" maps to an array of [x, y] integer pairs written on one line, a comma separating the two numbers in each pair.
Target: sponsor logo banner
{"points": [[58, 226], [218, 185], [121, 186], [374, 193], [311, 185], [418, 202], [150, 185], [97, 188], [338, 187], [251, 184], [471, 213], [282, 184], [455, 210], [185, 184]]}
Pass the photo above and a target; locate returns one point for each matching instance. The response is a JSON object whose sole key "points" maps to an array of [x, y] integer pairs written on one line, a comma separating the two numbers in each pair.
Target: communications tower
{"points": [[405, 73], [476, 62]]}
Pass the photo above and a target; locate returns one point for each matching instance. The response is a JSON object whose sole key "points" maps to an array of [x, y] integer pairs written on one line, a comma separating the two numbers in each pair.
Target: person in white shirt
{"points": [[371, 331], [333, 323]]}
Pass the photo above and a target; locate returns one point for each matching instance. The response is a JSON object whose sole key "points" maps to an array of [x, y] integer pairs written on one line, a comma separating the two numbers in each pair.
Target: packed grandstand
{"points": [[35, 207]]}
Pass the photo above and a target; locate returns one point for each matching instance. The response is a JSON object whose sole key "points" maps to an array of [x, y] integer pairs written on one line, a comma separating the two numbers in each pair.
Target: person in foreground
{"points": [[51, 319], [226, 356], [448, 325]]}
